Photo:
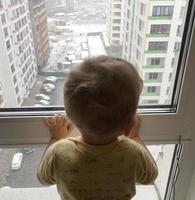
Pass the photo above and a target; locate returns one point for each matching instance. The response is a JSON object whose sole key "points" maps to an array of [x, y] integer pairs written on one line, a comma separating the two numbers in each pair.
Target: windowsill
{"points": [[50, 193]]}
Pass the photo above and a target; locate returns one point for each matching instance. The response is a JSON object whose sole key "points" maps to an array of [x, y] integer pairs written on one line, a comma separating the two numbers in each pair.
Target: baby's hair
{"points": [[101, 95]]}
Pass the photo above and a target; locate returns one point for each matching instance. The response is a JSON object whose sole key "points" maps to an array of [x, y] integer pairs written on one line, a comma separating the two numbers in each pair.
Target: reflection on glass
{"points": [[18, 174], [43, 40]]}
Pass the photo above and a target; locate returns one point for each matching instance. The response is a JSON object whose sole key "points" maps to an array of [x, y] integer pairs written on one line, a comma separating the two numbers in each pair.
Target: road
{"points": [[26, 177]]}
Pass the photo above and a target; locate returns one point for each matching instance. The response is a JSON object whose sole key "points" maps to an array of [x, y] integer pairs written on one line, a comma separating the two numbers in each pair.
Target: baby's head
{"points": [[101, 95]]}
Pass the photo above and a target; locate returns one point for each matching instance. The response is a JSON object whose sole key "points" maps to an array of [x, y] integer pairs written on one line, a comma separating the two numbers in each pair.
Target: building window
{"points": [[117, 6], [3, 20], [138, 55], [116, 28], [115, 34], [141, 25], [10, 57], [176, 46], [157, 46], [153, 76], [162, 11], [182, 13], [152, 89], [139, 40], [170, 76], [118, 21], [172, 62], [1, 4], [14, 79], [179, 30], [8, 45], [167, 90], [127, 26], [12, 68], [117, 13], [142, 8], [5, 31], [150, 101], [16, 90], [156, 61], [160, 28]]}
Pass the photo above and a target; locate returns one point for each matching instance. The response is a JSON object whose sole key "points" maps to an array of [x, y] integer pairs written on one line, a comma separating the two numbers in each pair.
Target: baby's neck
{"points": [[97, 140]]}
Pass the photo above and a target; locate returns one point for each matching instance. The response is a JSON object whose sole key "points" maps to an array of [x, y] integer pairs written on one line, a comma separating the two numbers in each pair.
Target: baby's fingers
{"points": [[50, 121]]}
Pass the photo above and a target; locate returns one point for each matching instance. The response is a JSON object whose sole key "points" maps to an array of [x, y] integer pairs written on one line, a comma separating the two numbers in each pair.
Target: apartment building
{"points": [[151, 37], [38, 18], [115, 26], [18, 63]]}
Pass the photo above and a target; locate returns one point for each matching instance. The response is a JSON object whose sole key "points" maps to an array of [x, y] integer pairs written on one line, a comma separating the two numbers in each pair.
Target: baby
{"points": [[101, 98]]}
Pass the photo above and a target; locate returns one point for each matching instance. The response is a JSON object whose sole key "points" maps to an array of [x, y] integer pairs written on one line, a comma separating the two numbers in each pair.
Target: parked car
{"points": [[54, 78], [48, 80], [47, 90], [44, 102], [16, 161], [49, 86], [42, 97]]}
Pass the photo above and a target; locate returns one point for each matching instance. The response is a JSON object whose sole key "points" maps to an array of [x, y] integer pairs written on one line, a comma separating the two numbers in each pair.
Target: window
{"points": [[139, 40], [117, 6], [182, 13], [150, 102], [16, 89], [162, 11], [179, 30], [160, 28], [116, 28], [118, 21], [142, 8], [12, 68], [177, 46], [152, 89], [3, 20], [5, 30], [156, 61], [141, 25], [1, 4], [116, 35], [157, 46], [117, 13], [8, 45]]}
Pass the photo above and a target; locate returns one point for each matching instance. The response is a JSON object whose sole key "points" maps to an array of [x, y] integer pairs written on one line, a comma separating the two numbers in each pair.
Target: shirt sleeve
{"points": [[46, 168], [146, 171]]}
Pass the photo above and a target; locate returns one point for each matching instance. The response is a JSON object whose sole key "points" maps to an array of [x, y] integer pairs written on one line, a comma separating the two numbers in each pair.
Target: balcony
{"points": [[157, 35], [160, 17]]}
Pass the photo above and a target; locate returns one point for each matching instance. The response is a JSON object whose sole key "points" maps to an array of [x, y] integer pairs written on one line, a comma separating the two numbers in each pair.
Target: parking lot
{"points": [[56, 96]]}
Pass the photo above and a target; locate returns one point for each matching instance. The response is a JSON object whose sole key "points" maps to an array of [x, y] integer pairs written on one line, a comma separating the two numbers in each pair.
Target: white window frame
{"points": [[156, 128]]}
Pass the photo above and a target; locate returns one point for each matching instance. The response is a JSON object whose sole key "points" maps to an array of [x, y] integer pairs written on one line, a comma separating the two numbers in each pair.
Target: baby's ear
{"points": [[129, 125]]}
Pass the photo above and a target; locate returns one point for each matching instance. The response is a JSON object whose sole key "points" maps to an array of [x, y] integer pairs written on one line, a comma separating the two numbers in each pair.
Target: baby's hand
{"points": [[136, 128], [59, 126]]}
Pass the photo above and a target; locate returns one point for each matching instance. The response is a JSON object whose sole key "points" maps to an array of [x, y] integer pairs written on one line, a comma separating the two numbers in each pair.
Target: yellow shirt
{"points": [[86, 172]]}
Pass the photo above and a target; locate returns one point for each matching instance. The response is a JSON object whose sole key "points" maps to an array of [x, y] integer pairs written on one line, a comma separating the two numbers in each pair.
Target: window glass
{"points": [[19, 166], [43, 40]]}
